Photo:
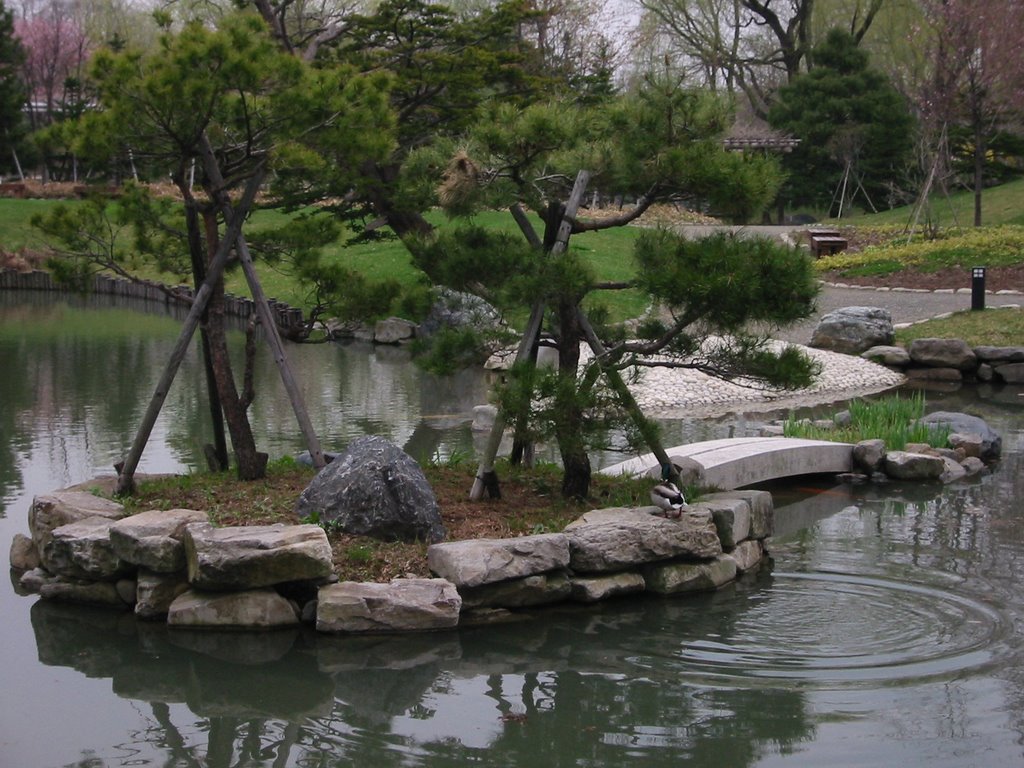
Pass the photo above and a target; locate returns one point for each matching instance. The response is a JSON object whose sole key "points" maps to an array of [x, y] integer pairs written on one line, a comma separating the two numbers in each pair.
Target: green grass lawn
{"points": [[992, 327], [996, 246], [999, 205], [609, 253]]}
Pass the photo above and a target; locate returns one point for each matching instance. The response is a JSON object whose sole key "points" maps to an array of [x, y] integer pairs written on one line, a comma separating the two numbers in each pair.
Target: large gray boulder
{"points": [[636, 538], [255, 556], [731, 517], [1011, 373], [868, 455], [393, 330], [748, 555], [943, 353], [965, 424], [153, 539], [903, 465], [853, 330], [24, 555], [1000, 354], [762, 509], [475, 562], [454, 309], [374, 489], [400, 606]]}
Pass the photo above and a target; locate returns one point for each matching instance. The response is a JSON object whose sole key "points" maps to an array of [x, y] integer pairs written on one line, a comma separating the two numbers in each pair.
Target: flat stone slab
{"points": [[540, 589], [592, 589], [637, 537], [402, 605], [247, 557], [52, 510], [736, 462], [674, 578], [474, 562], [153, 539], [82, 550]]}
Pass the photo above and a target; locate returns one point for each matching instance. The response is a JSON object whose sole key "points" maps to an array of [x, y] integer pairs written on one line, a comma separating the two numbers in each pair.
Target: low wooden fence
{"points": [[288, 318]]}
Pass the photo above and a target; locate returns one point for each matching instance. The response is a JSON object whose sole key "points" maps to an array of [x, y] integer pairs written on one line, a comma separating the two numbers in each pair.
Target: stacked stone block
{"points": [[173, 564]]}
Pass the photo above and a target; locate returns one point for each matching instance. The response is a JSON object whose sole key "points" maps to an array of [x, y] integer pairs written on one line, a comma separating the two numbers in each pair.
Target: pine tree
{"points": [[12, 91]]}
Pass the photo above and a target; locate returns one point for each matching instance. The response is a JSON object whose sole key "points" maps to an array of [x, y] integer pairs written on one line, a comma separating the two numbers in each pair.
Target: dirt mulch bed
{"points": [[530, 503]]}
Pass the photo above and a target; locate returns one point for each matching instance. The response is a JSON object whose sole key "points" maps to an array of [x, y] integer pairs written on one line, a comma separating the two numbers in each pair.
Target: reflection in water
{"points": [[886, 634], [84, 377], [585, 682]]}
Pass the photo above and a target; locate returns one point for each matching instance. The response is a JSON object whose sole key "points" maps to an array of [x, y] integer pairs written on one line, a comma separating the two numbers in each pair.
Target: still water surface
{"points": [[889, 630]]}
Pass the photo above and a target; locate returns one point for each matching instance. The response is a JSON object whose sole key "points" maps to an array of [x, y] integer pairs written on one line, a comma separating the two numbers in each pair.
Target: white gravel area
{"points": [[679, 392]]}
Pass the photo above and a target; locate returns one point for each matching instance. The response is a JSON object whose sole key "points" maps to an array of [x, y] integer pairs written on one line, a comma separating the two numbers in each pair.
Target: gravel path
{"points": [[673, 393]]}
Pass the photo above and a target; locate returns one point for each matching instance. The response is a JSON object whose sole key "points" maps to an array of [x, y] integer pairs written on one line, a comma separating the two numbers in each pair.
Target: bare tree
{"points": [[973, 78], [748, 45]]}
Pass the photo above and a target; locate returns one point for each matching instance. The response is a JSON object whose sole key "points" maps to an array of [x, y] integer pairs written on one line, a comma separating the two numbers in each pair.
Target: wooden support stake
{"points": [[626, 398], [265, 314], [486, 468], [126, 469]]}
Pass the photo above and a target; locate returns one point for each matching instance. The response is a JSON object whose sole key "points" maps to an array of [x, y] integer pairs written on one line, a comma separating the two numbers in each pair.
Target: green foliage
{"points": [[452, 349], [471, 255], [256, 103], [843, 112], [99, 234], [726, 280], [892, 419], [721, 285], [950, 248], [12, 91], [444, 68], [667, 137]]}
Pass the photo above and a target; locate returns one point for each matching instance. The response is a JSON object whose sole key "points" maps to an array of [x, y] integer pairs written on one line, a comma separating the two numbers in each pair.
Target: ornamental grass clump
{"points": [[892, 419]]}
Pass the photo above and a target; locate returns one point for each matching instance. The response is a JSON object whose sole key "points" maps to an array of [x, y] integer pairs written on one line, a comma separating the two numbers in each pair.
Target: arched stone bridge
{"points": [[736, 462]]}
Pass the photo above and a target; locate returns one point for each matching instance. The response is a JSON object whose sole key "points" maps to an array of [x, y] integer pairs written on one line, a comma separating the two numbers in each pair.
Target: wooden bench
{"points": [[825, 242]]}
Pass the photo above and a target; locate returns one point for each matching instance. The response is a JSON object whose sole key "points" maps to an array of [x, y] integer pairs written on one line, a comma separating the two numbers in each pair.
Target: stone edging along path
{"points": [[173, 565]]}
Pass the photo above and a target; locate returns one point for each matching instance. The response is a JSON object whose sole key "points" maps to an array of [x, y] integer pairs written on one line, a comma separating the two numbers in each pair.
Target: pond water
{"points": [[889, 629]]}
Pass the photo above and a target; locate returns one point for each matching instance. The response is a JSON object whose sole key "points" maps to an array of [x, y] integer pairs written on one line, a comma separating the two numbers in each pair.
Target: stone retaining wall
{"points": [[952, 360], [173, 565]]}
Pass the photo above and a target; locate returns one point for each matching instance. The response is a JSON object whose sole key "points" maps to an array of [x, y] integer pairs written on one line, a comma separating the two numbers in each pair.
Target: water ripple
{"points": [[839, 628]]}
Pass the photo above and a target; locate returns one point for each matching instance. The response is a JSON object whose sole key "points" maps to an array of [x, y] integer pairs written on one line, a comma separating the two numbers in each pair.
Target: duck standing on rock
{"points": [[668, 499]]}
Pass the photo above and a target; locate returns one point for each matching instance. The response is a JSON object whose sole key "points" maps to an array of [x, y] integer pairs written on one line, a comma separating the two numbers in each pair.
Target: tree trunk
{"points": [[575, 475], [569, 429], [980, 147], [218, 459], [252, 465]]}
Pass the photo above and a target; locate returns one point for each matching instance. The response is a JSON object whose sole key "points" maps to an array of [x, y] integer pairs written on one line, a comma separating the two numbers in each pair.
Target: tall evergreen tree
{"points": [[12, 91], [851, 124]]}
